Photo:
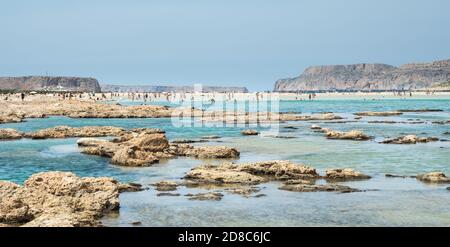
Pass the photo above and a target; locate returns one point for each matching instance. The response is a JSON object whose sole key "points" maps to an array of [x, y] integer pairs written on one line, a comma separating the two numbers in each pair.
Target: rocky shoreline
{"points": [[60, 199]]}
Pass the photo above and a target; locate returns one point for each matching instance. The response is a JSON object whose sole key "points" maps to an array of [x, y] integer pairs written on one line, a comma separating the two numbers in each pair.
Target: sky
{"points": [[248, 43]]}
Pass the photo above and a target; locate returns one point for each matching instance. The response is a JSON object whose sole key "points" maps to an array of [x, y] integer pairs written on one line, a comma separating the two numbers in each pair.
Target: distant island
{"points": [[176, 89], [369, 77], [50, 83]]}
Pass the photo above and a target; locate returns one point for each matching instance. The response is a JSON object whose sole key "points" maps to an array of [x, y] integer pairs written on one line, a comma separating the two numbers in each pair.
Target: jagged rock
{"points": [[166, 186], [250, 173], [66, 132], [223, 174], [433, 177], [249, 132], [210, 196], [58, 199], [379, 114], [410, 139], [133, 156], [150, 142], [351, 135], [10, 134], [318, 188], [204, 152], [279, 170], [147, 148], [344, 174]]}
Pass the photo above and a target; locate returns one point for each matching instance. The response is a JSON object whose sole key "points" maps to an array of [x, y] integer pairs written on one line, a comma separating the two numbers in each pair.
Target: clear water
{"points": [[396, 201]]}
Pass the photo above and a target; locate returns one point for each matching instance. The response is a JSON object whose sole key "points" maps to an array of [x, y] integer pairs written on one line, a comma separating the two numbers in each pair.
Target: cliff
{"points": [[47, 83], [366, 77], [158, 89]]}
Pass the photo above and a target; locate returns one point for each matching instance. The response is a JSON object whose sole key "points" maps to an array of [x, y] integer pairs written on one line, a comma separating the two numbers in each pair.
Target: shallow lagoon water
{"points": [[395, 201]]}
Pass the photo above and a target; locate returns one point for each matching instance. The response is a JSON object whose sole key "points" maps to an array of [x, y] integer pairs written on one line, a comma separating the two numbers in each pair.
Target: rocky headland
{"points": [[50, 83], [368, 77]]}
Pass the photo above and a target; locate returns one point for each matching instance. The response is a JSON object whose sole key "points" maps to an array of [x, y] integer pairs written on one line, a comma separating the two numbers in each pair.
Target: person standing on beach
{"points": [[22, 96]]}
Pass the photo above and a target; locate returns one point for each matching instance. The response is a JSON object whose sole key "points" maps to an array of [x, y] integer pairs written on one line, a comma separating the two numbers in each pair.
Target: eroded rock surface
{"points": [[67, 132], [350, 135], [209, 196], [58, 199], [344, 175], [10, 134], [144, 147], [249, 173]]}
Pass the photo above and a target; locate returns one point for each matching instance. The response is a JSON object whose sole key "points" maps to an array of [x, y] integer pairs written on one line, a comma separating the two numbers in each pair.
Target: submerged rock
{"points": [[10, 134], [350, 135], [249, 132], [210, 196], [318, 188], [409, 139], [421, 110], [379, 114], [243, 191], [397, 176], [166, 186], [211, 137], [344, 174], [58, 199], [433, 177], [168, 194]]}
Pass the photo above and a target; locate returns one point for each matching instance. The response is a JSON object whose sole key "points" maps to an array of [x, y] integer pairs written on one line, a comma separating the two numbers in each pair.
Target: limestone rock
{"points": [[10, 134], [58, 199], [433, 177], [344, 174], [350, 135]]}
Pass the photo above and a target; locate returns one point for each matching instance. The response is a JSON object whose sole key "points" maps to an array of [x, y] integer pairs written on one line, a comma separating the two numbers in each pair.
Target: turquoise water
{"points": [[396, 201]]}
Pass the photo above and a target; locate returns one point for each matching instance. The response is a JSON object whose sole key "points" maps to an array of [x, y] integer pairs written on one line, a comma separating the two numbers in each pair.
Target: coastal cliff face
{"points": [[367, 77], [47, 83], [178, 89]]}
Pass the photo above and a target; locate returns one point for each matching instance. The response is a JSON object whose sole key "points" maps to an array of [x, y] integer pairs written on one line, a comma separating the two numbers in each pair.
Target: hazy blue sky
{"points": [[230, 42]]}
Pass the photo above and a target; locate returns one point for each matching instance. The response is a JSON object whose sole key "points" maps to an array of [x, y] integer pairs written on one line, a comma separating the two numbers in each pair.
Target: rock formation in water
{"points": [[178, 89], [50, 83], [367, 77]]}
